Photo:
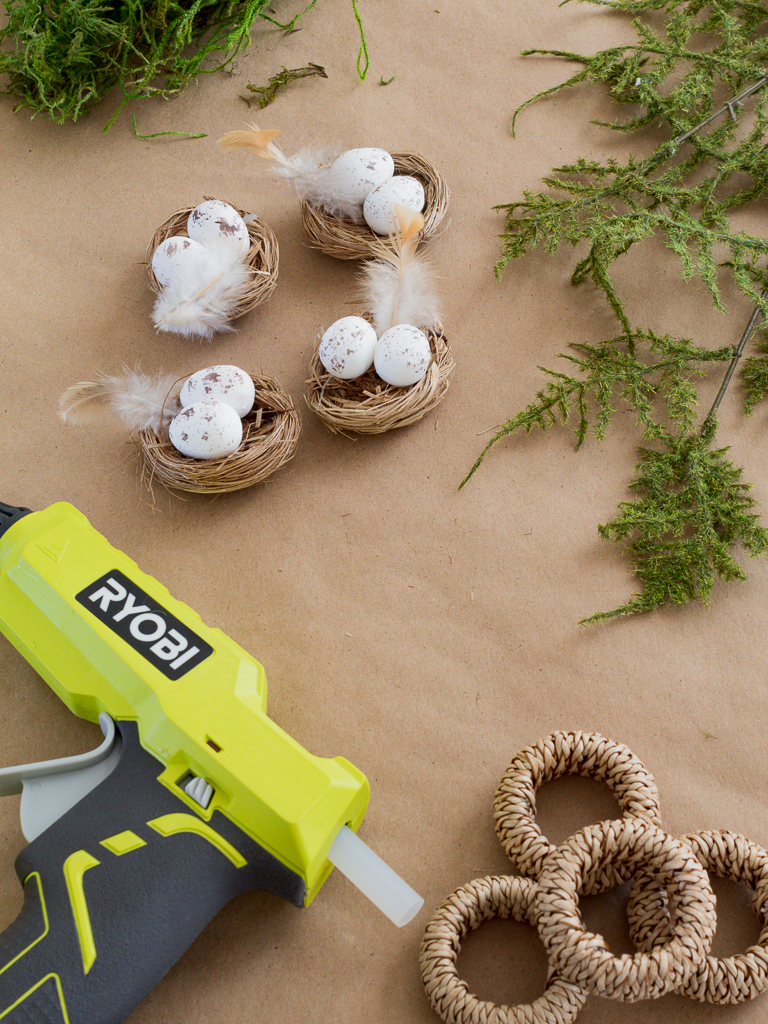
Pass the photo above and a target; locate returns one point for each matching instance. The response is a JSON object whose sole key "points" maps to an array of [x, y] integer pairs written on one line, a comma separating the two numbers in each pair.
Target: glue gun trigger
{"points": [[50, 788]]}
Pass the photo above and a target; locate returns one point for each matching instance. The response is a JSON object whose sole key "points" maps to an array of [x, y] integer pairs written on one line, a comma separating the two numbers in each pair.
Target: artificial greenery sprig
{"points": [[690, 81], [692, 509]]}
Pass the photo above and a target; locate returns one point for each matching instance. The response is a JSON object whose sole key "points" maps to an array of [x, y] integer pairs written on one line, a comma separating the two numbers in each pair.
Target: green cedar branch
{"points": [[692, 509], [692, 506], [612, 371]]}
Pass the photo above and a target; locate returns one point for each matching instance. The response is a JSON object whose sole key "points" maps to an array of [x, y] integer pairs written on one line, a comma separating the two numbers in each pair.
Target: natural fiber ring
{"points": [[567, 753], [733, 979], [626, 846], [462, 912]]}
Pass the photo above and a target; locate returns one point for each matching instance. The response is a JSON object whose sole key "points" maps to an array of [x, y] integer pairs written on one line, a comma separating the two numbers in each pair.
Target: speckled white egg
{"points": [[206, 430], [359, 171], [346, 348], [402, 355], [215, 223], [379, 205], [174, 254], [222, 383]]}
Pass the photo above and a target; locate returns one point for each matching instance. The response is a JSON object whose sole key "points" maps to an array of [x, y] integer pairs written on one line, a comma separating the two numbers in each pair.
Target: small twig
{"points": [[266, 93], [727, 108], [757, 312], [157, 135]]}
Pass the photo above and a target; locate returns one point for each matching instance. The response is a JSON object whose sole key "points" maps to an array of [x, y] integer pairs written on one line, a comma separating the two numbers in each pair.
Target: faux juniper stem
{"points": [[691, 506]]}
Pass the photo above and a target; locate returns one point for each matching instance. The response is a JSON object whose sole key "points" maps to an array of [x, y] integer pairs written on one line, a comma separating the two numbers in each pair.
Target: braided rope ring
{"points": [[567, 753], [733, 979], [632, 845], [462, 912]]}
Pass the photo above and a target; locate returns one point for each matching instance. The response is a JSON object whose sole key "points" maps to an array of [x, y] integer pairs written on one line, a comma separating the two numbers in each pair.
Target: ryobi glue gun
{"points": [[193, 797]]}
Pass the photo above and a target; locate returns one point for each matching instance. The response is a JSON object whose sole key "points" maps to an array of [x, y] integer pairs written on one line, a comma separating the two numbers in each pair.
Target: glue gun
{"points": [[194, 795]]}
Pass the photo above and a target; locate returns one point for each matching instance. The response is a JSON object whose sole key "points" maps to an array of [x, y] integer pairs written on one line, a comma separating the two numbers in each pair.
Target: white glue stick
{"points": [[375, 879]]}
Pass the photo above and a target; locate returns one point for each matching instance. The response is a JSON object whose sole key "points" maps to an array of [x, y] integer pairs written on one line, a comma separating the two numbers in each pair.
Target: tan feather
{"points": [[258, 140]]}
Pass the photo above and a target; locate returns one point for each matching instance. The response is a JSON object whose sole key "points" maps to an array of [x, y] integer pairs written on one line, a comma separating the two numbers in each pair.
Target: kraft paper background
{"points": [[425, 633]]}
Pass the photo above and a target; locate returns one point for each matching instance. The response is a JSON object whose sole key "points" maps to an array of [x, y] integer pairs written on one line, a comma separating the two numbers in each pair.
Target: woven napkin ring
{"points": [[733, 979], [462, 912], [628, 845], [568, 753]]}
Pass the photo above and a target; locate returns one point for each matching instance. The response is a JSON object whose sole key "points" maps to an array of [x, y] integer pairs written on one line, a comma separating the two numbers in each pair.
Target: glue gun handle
{"points": [[115, 891]]}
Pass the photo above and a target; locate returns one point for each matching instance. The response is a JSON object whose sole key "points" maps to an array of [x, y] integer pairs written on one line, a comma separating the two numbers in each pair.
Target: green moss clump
{"points": [[61, 57]]}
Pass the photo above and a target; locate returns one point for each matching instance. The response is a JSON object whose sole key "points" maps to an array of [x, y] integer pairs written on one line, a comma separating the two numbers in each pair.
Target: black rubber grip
{"points": [[116, 890], [9, 514]]}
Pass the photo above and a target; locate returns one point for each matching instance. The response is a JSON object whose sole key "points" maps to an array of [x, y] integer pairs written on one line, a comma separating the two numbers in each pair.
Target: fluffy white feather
{"points": [[398, 287], [310, 170], [404, 296], [133, 398], [316, 181], [201, 295]]}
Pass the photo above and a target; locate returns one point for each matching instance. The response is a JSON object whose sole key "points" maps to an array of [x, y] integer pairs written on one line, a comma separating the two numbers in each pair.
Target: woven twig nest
{"points": [[270, 435], [263, 257], [349, 241], [366, 405]]}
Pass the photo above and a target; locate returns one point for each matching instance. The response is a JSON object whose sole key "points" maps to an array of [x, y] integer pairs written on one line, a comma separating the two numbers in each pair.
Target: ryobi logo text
{"points": [[149, 628]]}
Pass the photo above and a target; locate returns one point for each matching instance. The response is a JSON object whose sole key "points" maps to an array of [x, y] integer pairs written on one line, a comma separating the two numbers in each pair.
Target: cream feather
{"points": [[133, 398], [310, 169], [398, 286], [202, 294]]}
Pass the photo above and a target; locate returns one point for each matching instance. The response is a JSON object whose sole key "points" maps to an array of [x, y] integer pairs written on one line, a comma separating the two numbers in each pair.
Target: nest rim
{"points": [[266, 447], [345, 240], [367, 405], [263, 256]]}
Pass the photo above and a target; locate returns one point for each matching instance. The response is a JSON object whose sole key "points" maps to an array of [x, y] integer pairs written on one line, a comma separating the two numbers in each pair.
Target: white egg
{"points": [[206, 430], [346, 348], [359, 171], [175, 254], [223, 383], [379, 205], [215, 223], [402, 355]]}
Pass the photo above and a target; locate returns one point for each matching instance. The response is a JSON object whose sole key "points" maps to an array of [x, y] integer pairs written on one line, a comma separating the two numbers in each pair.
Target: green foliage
{"points": [[692, 509], [61, 57], [264, 94], [648, 373], [755, 378], [693, 67]]}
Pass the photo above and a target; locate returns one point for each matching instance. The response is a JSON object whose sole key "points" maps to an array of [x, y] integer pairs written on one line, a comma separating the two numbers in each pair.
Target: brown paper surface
{"points": [[425, 633]]}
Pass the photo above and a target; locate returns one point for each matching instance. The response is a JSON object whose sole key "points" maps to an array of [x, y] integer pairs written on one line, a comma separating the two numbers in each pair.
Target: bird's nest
{"points": [[346, 240], [271, 433], [367, 405], [262, 257]]}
